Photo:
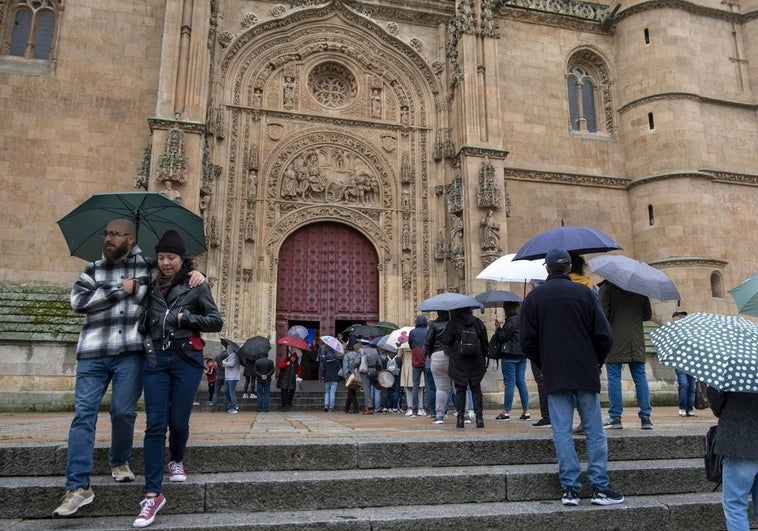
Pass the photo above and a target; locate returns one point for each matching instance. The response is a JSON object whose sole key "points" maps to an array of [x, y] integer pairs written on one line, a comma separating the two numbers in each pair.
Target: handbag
{"points": [[714, 462], [363, 367], [701, 395]]}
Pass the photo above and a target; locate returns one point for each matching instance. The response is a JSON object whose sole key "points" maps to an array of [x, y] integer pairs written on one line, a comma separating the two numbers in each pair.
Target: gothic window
{"points": [[29, 30], [588, 93], [332, 85]]}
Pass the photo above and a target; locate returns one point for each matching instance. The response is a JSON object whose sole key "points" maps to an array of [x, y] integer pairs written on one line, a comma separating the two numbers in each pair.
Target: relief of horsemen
{"points": [[334, 175]]}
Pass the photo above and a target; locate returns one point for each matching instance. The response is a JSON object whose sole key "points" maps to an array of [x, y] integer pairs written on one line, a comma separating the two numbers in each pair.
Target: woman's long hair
{"points": [[511, 308]]}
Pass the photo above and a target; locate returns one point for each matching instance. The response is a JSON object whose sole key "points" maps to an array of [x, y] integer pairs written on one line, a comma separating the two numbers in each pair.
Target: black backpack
{"points": [[468, 344]]}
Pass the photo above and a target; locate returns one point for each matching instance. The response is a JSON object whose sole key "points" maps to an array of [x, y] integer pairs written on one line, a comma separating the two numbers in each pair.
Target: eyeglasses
{"points": [[113, 234]]}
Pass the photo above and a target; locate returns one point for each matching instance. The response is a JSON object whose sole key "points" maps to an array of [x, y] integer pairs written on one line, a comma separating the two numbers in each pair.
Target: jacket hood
{"points": [[421, 320]]}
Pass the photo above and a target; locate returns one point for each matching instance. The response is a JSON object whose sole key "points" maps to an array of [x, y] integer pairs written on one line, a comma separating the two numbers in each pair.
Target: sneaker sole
{"points": [[177, 479], [123, 480], [571, 503], [84, 502], [606, 501]]}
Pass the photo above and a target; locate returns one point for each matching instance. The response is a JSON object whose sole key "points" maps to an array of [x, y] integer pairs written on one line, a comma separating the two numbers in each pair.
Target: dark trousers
{"points": [[288, 395], [249, 383], [351, 404], [476, 394], [211, 390], [540, 381]]}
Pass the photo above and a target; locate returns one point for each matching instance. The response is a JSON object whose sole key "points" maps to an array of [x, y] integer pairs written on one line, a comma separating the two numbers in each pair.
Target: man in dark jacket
{"points": [[565, 333], [735, 440]]}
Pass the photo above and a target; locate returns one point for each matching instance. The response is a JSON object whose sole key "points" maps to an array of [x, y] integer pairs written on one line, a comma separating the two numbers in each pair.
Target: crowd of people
{"points": [[142, 333]]}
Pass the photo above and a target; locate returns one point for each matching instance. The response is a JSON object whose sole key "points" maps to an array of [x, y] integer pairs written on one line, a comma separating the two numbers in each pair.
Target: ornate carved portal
{"points": [[327, 275]]}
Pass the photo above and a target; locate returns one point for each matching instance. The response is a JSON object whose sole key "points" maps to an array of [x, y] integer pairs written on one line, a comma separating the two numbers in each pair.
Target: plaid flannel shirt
{"points": [[112, 316]]}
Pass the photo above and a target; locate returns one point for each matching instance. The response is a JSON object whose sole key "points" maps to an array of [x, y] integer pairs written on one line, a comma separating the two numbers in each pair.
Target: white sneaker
{"points": [[421, 413], [253, 395], [244, 395], [682, 413], [409, 413]]}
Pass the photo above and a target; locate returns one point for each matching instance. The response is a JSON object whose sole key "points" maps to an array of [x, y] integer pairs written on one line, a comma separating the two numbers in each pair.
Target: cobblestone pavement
{"points": [[52, 428]]}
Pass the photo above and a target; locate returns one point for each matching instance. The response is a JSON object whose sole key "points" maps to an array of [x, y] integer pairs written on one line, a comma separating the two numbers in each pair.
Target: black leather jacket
{"points": [[198, 309]]}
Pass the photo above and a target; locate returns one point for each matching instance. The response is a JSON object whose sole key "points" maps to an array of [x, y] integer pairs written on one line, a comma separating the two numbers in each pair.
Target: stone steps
{"points": [[414, 482]]}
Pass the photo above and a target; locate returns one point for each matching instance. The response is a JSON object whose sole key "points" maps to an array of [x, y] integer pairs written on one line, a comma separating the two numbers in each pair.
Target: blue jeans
{"points": [[230, 392], [686, 389], [740, 480], [170, 389], [263, 392], [561, 418], [615, 398], [514, 375], [330, 390], [431, 387], [92, 379], [416, 378]]}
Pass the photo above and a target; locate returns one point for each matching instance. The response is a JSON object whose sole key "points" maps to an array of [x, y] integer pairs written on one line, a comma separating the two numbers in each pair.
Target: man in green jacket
{"points": [[626, 311]]}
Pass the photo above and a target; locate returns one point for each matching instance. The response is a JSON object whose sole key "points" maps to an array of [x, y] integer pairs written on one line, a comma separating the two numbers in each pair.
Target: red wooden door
{"points": [[327, 272]]}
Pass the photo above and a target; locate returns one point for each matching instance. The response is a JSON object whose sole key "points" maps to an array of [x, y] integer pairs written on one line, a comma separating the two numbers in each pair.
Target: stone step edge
{"points": [[675, 512]]}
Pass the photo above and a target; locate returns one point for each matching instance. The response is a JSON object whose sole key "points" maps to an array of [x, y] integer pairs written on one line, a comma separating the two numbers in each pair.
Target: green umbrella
{"points": [[387, 326], [152, 214], [746, 296]]}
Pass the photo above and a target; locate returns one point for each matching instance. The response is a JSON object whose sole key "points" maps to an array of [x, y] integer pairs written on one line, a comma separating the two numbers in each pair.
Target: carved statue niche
{"points": [[172, 163], [489, 233], [487, 194]]}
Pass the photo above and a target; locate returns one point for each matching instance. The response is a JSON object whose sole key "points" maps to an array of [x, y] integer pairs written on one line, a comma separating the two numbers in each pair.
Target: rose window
{"points": [[332, 85]]}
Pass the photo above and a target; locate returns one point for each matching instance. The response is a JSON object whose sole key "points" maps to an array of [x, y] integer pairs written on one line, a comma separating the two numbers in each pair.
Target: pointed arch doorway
{"points": [[327, 279]]}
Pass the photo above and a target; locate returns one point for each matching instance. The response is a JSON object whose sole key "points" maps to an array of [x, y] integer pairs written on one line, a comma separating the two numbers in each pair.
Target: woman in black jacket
{"points": [[177, 314], [466, 371], [512, 362]]}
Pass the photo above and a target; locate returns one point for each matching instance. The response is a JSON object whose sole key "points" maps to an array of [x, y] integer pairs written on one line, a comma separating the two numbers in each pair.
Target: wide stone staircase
{"points": [[455, 479]]}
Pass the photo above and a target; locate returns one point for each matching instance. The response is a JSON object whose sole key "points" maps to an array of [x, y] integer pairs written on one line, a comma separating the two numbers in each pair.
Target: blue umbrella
{"points": [[746, 296], [449, 301], [496, 298], [635, 276], [581, 240]]}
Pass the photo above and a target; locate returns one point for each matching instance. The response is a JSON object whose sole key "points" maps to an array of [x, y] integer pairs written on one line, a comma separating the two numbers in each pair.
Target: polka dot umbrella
{"points": [[721, 350]]}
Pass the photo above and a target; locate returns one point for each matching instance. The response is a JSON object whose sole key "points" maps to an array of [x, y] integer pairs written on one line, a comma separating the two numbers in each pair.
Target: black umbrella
{"points": [[496, 298], [368, 331], [150, 212], [254, 348]]}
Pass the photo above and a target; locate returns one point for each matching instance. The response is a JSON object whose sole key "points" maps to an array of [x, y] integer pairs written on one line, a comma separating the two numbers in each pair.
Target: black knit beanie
{"points": [[171, 242]]}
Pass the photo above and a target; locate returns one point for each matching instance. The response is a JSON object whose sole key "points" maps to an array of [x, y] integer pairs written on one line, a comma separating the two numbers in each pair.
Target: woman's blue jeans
{"points": [[170, 389], [514, 375], [230, 392], [740, 482], [124, 374], [330, 391]]}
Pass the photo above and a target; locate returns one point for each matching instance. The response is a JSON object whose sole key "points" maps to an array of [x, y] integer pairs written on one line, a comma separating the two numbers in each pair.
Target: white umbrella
{"points": [[334, 343], [504, 269], [399, 338]]}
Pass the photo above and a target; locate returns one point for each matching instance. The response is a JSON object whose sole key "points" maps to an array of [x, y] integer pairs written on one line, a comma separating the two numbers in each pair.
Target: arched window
{"points": [[717, 285], [589, 94], [29, 28]]}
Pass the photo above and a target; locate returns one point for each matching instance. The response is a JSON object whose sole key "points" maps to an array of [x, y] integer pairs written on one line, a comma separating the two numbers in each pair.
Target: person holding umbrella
{"points": [[626, 311], [177, 314], [112, 293], [565, 333]]}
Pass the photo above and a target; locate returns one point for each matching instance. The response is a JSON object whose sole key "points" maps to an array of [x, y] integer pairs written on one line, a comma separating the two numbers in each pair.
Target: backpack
{"points": [[468, 344], [392, 365]]}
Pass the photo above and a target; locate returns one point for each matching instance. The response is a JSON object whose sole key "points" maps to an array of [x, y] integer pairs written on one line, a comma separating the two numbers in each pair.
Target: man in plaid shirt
{"points": [[111, 292]]}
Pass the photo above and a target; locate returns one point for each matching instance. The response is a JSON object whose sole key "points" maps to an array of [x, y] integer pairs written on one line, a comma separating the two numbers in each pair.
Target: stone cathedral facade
{"points": [[351, 158]]}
